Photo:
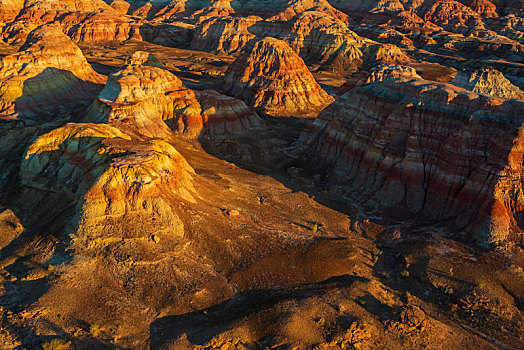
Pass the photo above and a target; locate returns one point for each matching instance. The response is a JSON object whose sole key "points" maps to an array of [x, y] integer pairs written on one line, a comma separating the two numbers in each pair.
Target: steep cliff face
{"points": [[48, 73], [228, 35], [488, 81], [321, 39], [271, 76], [112, 180], [102, 28], [431, 151], [145, 99]]}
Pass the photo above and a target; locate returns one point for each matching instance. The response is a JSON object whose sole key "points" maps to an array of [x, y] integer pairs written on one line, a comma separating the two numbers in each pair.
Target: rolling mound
{"points": [[271, 76]]}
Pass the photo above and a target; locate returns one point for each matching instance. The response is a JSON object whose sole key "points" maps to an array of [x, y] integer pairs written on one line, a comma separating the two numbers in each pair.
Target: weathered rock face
{"points": [[120, 6], [271, 76], [48, 73], [103, 27], [9, 9], [228, 35], [451, 15], [294, 7], [145, 99], [225, 115], [321, 39], [430, 151], [112, 179], [488, 81], [87, 20], [379, 73], [194, 10]]}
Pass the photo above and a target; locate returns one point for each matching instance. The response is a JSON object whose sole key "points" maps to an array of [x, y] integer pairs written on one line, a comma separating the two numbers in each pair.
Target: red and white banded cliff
{"points": [[430, 151]]}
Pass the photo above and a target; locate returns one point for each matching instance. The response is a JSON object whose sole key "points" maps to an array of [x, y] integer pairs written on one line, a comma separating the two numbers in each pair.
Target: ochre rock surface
{"points": [[112, 178], [103, 27], [430, 151], [378, 73], [271, 76], [225, 115], [228, 35], [48, 73], [87, 20], [488, 81], [322, 39], [9, 9], [149, 100], [295, 7], [143, 98]]}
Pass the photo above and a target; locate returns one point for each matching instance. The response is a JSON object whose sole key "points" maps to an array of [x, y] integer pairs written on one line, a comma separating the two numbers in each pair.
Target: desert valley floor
{"points": [[283, 174]]}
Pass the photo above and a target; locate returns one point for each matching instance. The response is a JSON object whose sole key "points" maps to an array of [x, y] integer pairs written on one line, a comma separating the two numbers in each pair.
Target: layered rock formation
{"points": [[9, 9], [294, 7], [318, 38], [86, 20], [225, 115], [429, 151], [143, 98], [112, 180], [228, 35], [48, 73], [272, 77], [102, 28], [378, 73], [488, 81], [321, 39]]}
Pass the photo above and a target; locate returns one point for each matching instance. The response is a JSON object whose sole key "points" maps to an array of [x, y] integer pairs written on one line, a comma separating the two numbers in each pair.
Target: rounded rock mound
{"points": [[112, 180], [47, 74], [272, 77], [144, 99]]}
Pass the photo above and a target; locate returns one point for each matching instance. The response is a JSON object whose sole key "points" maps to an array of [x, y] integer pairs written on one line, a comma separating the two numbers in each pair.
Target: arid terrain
{"points": [[282, 174]]}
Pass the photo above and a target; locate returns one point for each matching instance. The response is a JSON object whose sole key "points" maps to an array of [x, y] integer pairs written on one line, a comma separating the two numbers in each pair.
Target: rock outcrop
{"points": [[227, 35], [321, 39], [378, 73], [102, 28], [145, 99], [111, 179], [294, 7], [87, 20], [48, 73], [272, 77], [9, 9], [430, 151], [488, 81], [225, 115]]}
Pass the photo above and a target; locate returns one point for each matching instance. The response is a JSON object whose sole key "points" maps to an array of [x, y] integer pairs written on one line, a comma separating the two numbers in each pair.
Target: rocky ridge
{"points": [[488, 81]]}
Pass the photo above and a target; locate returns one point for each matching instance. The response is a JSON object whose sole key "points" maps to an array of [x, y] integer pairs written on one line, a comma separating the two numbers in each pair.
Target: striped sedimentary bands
{"points": [[378, 73], [227, 35], [111, 178], [272, 77], [145, 99], [488, 81], [47, 74], [431, 151]]}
